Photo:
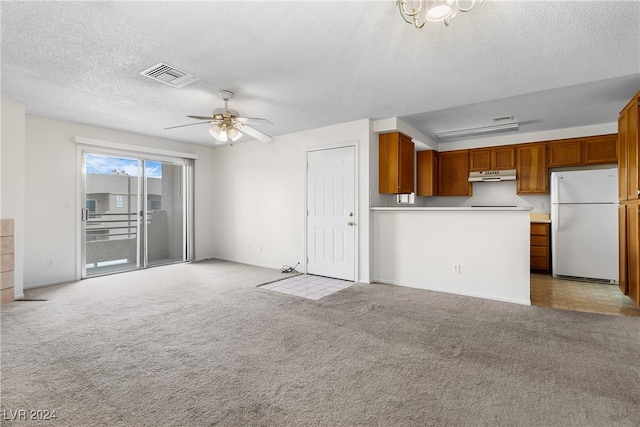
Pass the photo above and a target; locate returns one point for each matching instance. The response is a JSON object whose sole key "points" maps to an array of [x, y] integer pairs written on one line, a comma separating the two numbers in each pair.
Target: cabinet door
{"points": [[622, 249], [623, 155], [503, 158], [480, 160], [427, 173], [567, 153], [539, 248], [531, 169], [453, 173], [395, 164], [632, 157], [633, 252], [407, 166], [600, 149]]}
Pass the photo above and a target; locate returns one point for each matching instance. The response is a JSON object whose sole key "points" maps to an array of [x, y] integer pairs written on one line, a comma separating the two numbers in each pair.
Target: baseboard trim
{"points": [[242, 262], [448, 291], [42, 285]]}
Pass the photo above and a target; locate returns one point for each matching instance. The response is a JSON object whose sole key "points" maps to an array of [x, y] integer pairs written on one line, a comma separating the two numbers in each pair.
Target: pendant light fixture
{"points": [[418, 12]]}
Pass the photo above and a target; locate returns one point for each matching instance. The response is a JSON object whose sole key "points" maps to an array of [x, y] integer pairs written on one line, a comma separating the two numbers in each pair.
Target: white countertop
{"points": [[464, 208]]}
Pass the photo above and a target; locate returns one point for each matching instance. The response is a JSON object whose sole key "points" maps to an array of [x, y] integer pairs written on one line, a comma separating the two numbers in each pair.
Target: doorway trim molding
{"points": [[356, 182], [135, 149]]}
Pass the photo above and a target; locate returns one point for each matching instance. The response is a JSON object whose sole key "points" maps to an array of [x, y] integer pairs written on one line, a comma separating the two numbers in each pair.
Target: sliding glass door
{"points": [[165, 219], [134, 213]]}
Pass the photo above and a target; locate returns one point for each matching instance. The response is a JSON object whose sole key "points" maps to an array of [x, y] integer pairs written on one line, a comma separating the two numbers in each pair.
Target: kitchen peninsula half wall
{"points": [[475, 251]]}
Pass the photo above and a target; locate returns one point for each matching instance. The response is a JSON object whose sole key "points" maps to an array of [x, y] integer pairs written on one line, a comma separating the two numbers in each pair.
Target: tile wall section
{"points": [[6, 260]]}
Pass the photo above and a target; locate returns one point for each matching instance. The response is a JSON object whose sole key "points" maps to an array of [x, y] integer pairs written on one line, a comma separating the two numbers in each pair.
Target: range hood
{"points": [[493, 176]]}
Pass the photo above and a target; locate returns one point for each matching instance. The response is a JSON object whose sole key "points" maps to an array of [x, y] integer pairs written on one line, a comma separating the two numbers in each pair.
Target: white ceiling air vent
{"points": [[502, 119], [167, 74]]}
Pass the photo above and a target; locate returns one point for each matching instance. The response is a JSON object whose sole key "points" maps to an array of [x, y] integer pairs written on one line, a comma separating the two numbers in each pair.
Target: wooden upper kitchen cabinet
{"points": [[427, 173], [566, 153], [623, 153], [628, 171], [600, 149], [495, 158], [503, 158], [395, 163], [531, 169], [453, 173], [591, 150], [480, 159]]}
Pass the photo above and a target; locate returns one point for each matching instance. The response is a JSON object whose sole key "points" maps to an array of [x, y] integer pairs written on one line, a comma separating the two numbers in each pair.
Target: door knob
{"points": [[350, 223]]}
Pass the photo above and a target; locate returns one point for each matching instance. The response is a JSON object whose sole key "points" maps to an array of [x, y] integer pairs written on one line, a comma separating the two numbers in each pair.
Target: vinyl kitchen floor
{"points": [[580, 296]]}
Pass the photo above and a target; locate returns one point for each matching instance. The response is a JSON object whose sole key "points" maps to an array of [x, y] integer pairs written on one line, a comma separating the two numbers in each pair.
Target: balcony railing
{"points": [[105, 226]]}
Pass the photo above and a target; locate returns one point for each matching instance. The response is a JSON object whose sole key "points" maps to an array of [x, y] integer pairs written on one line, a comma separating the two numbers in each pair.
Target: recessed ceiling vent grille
{"points": [[167, 74], [502, 119]]}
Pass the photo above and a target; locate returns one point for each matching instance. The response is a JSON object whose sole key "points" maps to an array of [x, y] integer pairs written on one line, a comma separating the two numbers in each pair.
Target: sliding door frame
{"points": [[88, 145]]}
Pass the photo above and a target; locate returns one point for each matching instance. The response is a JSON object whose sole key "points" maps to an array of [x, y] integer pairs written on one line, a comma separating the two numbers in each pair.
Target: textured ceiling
{"points": [[307, 64]]}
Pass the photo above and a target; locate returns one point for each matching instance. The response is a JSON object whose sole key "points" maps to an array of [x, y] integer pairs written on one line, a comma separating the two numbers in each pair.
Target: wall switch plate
{"points": [[456, 269]]}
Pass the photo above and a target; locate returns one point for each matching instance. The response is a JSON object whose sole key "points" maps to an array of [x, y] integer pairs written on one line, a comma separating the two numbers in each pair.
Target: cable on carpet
{"points": [[287, 269]]}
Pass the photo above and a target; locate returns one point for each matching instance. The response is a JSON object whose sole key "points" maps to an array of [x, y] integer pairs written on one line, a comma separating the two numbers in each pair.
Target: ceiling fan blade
{"points": [[190, 124], [254, 121], [257, 134], [202, 117]]}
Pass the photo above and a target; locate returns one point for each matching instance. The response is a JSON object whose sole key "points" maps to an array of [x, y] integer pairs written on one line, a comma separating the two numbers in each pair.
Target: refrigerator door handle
{"points": [[556, 218]]}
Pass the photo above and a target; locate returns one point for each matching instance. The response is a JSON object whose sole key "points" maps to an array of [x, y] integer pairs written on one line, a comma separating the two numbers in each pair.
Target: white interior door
{"points": [[331, 217]]}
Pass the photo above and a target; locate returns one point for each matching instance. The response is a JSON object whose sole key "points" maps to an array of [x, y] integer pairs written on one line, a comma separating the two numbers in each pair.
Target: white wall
{"points": [[419, 248], [51, 217], [259, 195], [12, 193]]}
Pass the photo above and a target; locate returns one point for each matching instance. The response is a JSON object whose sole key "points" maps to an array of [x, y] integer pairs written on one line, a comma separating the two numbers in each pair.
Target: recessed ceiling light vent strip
{"points": [[169, 75], [506, 127]]}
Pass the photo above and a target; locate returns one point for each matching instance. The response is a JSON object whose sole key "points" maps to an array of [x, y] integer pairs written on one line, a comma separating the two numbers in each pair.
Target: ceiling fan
{"points": [[227, 126]]}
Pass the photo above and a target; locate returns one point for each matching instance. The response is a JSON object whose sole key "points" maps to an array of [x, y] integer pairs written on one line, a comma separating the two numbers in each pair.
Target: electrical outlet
{"points": [[541, 205], [456, 269], [50, 263], [260, 249]]}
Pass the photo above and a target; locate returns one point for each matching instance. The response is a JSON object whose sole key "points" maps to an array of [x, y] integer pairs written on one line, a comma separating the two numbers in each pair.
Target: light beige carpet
{"points": [[200, 345]]}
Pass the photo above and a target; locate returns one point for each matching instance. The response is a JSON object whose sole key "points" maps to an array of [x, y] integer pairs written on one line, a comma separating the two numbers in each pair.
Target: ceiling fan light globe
{"points": [[234, 134], [218, 133], [438, 10]]}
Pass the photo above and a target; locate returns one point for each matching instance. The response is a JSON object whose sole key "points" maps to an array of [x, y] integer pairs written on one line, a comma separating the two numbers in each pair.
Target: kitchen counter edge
{"points": [[463, 208]]}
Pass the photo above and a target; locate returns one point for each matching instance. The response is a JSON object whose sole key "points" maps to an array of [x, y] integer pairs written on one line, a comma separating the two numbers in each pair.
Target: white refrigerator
{"points": [[584, 224]]}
